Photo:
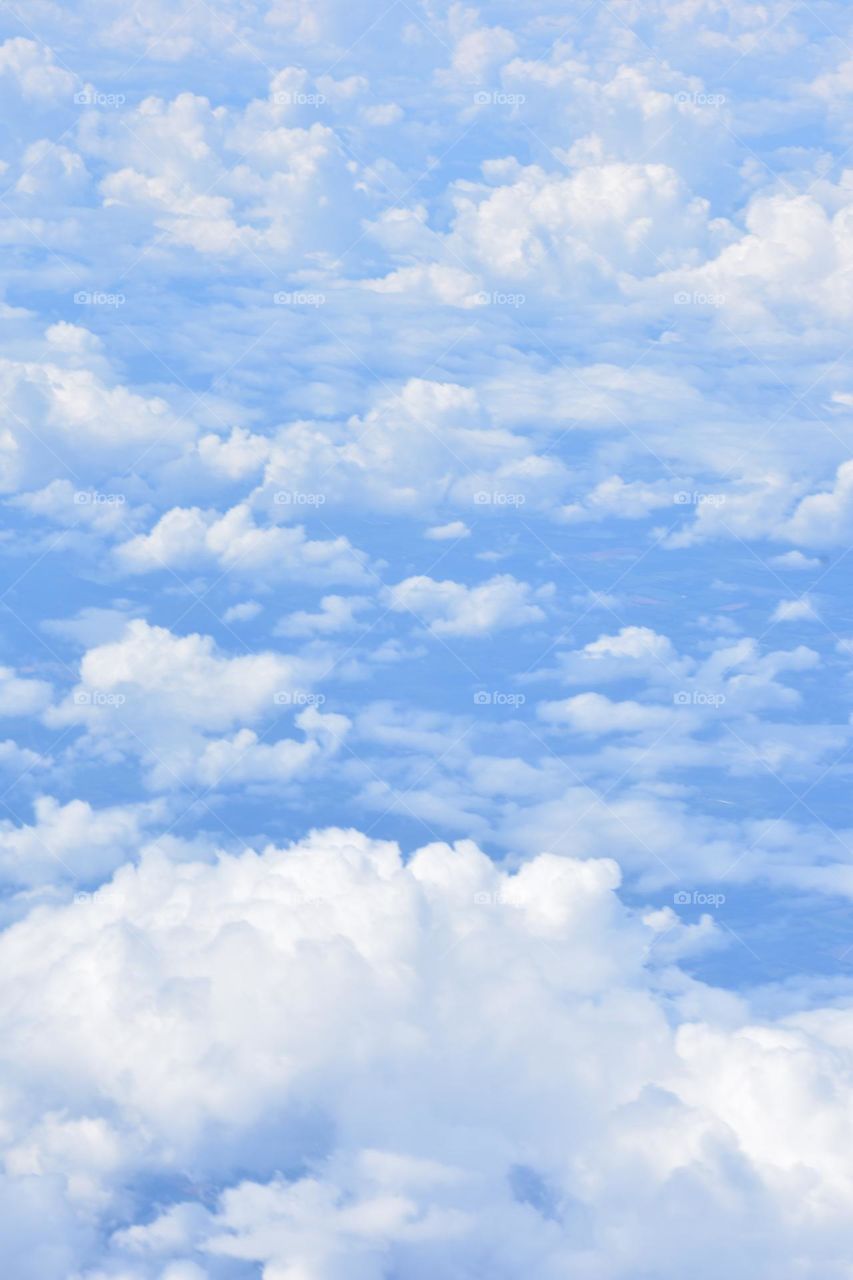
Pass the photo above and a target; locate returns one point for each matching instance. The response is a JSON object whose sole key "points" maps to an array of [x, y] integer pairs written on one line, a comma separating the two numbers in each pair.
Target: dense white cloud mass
{"points": [[425, 686], [428, 1066]]}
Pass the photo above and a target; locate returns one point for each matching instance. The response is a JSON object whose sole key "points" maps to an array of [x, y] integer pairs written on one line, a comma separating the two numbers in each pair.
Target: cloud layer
{"points": [[425, 688]]}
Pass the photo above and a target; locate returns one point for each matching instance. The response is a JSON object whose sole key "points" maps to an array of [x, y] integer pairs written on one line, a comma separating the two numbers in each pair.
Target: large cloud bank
{"points": [[325, 1061]]}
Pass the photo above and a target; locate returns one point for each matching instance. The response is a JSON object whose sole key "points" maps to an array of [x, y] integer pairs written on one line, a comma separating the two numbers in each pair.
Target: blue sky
{"points": [[427, 475]]}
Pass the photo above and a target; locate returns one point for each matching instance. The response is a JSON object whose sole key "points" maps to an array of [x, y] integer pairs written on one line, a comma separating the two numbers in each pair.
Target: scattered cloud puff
{"points": [[448, 532], [594, 713], [801, 610], [245, 611], [795, 560], [336, 613], [453, 609]]}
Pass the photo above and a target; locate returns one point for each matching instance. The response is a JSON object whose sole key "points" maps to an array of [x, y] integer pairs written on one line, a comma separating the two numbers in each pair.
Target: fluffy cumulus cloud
{"points": [[354, 1034], [425, 644], [183, 539], [35, 71], [453, 609], [416, 448], [60, 424], [72, 843], [166, 701]]}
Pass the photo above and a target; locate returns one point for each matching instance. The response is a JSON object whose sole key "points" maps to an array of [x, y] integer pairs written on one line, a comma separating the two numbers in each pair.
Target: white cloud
{"points": [[22, 696], [188, 538], [415, 450], [447, 532], [383, 114], [245, 611], [187, 1014], [593, 713], [792, 261], [637, 651], [795, 560], [736, 676], [237, 456], [544, 229], [454, 609], [825, 519], [631, 500], [185, 710], [182, 671], [224, 182], [244, 758], [800, 610], [73, 842], [34, 69], [336, 613], [65, 503], [549, 284], [51, 172], [61, 424], [475, 49], [445, 284]]}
